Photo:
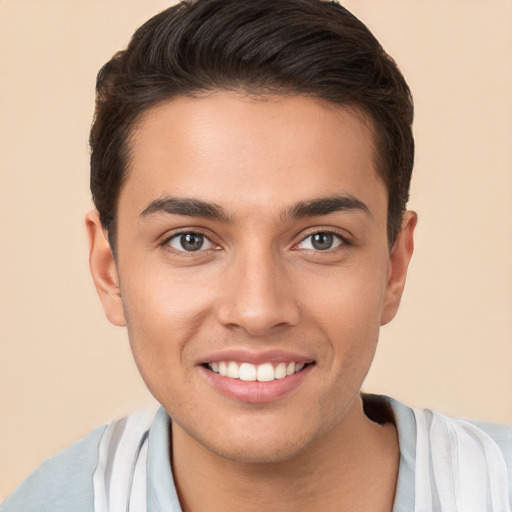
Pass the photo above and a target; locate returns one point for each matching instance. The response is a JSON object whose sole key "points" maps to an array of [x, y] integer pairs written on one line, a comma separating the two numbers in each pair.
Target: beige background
{"points": [[65, 370]]}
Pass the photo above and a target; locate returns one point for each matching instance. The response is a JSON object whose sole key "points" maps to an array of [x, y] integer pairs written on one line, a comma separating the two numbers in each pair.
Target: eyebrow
{"points": [[192, 207], [189, 207], [325, 206]]}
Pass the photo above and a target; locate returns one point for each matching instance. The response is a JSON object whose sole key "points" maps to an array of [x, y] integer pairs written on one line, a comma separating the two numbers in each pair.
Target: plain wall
{"points": [[65, 370]]}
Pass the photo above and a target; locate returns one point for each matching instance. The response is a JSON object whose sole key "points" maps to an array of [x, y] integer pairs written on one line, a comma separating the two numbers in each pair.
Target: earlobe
{"points": [[103, 269], [399, 259]]}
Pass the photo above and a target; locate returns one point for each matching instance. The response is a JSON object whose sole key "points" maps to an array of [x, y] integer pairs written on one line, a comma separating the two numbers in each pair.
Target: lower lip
{"points": [[255, 392]]}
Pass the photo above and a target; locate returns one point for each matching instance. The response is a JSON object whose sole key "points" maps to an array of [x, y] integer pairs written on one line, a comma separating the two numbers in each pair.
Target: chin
{"points": [[260, 441], [260, 451]]}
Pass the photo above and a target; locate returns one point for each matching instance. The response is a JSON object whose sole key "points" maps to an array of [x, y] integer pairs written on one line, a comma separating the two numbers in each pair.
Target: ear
{"points": [[399, 259], [103, 269]]}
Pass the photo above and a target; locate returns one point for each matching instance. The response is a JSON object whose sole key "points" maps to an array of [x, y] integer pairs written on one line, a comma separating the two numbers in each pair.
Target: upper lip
{"points": [[243, 355]]}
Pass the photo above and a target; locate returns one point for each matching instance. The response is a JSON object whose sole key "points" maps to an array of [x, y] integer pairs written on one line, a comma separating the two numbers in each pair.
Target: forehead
{"points": [[246, 152]]}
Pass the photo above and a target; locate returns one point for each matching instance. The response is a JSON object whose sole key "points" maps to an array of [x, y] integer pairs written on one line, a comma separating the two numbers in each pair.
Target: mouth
{"points": [[248, 372], [256, 376]]}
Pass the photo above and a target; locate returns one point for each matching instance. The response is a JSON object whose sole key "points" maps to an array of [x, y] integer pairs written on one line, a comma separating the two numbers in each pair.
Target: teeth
{"points": [[265, 372], [232, 370], [248, 372], [280, 371]]}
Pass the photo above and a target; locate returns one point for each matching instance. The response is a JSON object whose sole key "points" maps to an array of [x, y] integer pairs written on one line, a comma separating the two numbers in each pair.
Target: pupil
{"points": [[322, 241], [191, 241]]}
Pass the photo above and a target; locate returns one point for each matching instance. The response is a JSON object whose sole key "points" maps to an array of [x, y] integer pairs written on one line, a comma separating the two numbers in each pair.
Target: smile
{"points": [[255, 377], [248, 372]]}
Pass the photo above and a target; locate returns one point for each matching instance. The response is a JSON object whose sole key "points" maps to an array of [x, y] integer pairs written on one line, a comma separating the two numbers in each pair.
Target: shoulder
{"points": [[488, 439], [500, 434], [463, 461], [446, 460], [410, 421], [62, 482], [90, 473]]}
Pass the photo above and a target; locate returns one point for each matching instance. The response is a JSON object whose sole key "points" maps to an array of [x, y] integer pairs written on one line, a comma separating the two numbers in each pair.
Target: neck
{"points": [[333, 473]]}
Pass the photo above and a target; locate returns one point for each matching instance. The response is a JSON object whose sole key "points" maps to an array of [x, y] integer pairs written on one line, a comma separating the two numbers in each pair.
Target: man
{"points": [[250, 169]]}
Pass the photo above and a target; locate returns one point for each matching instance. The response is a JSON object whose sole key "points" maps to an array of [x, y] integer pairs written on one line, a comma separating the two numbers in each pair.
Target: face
{"points": [[253, 268]]}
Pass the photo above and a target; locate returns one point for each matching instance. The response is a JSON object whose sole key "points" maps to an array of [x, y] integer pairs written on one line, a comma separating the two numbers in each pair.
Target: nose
{"points": [[258, 295]]}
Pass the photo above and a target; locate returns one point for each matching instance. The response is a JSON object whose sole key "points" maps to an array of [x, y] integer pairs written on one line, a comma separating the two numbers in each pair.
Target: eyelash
{"points": [[166, 242], [343, 240]]}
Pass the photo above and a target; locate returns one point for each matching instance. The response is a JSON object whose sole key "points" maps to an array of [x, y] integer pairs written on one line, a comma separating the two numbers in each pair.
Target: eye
{"points": [[321, 241], [190, 242]]}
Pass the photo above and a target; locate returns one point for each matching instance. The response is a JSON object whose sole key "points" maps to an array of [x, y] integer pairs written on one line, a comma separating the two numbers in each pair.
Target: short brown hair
{"points": [[311, 47]]}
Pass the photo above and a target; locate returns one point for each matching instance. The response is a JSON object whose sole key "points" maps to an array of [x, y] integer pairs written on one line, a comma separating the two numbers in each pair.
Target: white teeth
{"points": [[280, 371], [265, 372], [232, 370], [247, 372]]}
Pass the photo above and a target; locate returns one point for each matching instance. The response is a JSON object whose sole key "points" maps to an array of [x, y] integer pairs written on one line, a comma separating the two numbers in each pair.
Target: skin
{"points": [[259, 284]]}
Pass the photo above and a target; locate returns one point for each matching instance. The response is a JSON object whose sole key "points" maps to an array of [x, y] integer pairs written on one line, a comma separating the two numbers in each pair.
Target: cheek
{"points": [[163, 313], [347, 307], [348, 299], [162, 302]]}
